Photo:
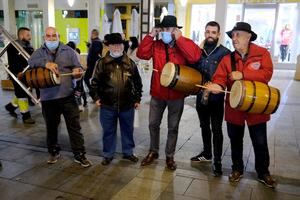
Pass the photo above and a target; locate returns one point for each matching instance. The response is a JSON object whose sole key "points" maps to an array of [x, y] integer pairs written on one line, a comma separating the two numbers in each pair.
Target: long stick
{"points": [[202, 86], [69, 74]]}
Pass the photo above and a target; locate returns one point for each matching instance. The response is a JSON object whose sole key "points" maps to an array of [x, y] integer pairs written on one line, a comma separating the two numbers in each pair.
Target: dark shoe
{"points": [[82, 160], [235, 176], [170, 163], [202, 157], [11, 109], [268, 181], [132, 158], [217, 169], [27, 118], [149, 158], [106, 161], [53, 158]]}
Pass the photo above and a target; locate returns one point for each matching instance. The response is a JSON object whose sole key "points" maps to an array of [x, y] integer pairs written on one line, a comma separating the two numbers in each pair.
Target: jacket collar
{"points": [[202, 47]]}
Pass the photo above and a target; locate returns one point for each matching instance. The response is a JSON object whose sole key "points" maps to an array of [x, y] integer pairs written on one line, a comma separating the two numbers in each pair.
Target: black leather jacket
{"points": [[116, 82]]}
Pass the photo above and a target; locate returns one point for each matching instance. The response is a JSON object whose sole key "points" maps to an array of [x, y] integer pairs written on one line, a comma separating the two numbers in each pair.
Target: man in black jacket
{"points": [[95, 52], [210, 107], [17, 63], [117, 86]]}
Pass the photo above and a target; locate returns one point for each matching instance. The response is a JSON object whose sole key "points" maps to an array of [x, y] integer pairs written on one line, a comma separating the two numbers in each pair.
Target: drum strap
{"points": [[167, 53], [233, 66]]}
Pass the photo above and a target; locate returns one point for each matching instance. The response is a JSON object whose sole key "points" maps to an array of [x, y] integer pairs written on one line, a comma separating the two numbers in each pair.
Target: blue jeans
{"points": [[258, 135], [109, 121]]}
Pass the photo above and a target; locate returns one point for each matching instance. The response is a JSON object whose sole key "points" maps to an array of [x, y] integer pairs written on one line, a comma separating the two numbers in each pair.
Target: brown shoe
{"points": [[170, 163], [149, 158], [235, 176], [268, 181]]}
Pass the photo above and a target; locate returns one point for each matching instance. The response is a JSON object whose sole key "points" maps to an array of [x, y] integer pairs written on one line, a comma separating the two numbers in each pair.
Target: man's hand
{"points": [[137, 106], [52, 67], [214, 88], [77, 73], [154, 31], [236, 75], [177, 33], [98, 103]]}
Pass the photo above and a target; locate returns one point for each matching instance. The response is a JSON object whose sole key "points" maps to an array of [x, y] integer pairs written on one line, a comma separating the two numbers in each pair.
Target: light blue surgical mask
{"points": [[51, 45], [166, 37]]}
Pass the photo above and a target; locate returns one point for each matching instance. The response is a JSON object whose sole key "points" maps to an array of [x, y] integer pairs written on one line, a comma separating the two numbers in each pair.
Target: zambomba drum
{"points": [[39, 77], [254, 97], [181, 78]]}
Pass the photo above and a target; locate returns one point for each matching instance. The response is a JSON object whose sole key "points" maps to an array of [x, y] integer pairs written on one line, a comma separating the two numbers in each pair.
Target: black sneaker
{"points": [[202, 157], [82, 160], [132, 158], [217, 169], [106, 161], [11, 109], [53, 158]]}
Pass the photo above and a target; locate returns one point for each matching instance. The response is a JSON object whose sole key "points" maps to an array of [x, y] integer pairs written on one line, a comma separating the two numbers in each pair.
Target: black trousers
{"points": [[211, 119], [52, 111], [258, 135]]}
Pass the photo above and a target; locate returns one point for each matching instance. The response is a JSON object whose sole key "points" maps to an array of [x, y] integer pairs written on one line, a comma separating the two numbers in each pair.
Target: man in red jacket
{"points": [[175, 48], [247, 62]]}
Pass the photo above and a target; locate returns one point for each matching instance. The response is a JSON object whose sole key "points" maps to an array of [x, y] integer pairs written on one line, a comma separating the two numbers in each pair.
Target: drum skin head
{"points": [[167, 74], [236, 94], [55, 78]]}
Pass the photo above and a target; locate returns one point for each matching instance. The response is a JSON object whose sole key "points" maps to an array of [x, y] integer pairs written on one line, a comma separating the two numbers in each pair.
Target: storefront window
{"points": [[201, 14], [285, 48], [234, 14]]}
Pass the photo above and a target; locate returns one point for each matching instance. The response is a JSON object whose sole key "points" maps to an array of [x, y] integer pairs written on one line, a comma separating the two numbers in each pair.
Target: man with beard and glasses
{"points": [[17, 63], [210, 107], [117, 88]]}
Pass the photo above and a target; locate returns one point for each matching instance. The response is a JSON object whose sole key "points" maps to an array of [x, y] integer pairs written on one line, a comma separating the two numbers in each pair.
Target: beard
{"points": [[211, 41]]}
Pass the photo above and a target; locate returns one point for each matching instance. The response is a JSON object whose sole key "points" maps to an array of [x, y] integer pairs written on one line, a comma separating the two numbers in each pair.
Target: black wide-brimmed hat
{"points": [[168, 21], [113, 38], [243, 26]]}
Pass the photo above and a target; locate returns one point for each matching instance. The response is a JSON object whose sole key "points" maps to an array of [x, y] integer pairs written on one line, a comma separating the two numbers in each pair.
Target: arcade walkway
{"points": [[25, 174]]}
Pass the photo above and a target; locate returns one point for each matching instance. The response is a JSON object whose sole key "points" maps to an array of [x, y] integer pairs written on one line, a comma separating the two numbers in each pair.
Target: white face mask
{"points": [[116, 54], [130, 43]]}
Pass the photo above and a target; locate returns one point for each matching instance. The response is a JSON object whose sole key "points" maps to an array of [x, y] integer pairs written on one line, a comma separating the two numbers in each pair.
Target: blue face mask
{"points": [[52, 45], [166, 37]]}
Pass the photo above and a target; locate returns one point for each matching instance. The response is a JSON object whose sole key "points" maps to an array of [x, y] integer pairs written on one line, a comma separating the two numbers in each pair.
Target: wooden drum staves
{"points": [[181, 78], [254, 97], [39, 77]]}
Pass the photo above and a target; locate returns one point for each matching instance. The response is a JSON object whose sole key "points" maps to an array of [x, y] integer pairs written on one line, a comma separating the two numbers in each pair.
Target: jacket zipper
{"points": [[118, 77]]}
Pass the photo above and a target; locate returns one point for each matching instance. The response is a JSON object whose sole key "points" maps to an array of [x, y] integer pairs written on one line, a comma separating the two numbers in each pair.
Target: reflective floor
{"points": [[26, 175]]}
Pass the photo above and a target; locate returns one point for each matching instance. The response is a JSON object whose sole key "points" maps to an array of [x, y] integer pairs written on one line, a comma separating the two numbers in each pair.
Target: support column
{"points": [[220, 16], [94, 14], [147, 17], [102, 12], [9, 16], [49, 13]]}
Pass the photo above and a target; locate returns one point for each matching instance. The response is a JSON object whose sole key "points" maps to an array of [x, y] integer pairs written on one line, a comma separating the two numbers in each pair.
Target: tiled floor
{"points": [[25, 174]]}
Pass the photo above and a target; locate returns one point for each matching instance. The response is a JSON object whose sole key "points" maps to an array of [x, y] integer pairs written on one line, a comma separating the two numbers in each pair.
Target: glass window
{"points": [[263, 28], [234, 14], [201, 14], [285, 40]]}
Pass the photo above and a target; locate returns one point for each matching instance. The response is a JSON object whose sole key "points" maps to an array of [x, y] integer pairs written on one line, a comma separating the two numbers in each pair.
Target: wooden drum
{"points": [[181, 78], [39, 78], [254, 97]]}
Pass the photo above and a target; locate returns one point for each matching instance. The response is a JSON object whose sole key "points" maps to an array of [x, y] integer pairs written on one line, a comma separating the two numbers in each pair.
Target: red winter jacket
{"points": [[184, 52], [257, 67]]}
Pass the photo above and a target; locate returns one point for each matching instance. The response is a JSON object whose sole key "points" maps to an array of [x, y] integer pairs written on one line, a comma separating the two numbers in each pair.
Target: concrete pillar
{"points": [[220, 16], [49, 13], [147, 16], [94, 14], [9, 16]]}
